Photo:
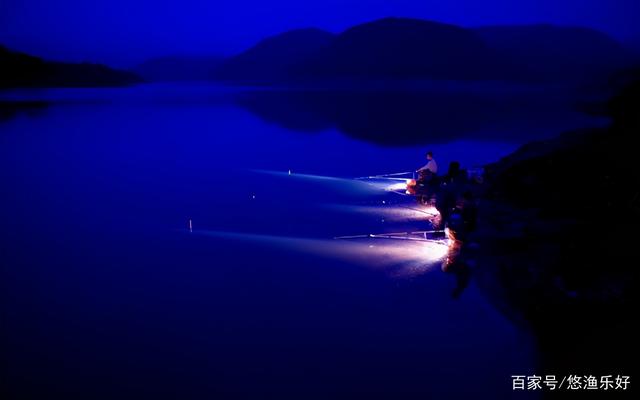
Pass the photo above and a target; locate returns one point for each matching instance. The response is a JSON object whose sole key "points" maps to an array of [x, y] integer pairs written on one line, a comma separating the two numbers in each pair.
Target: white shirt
{"points": [[431, 166]]}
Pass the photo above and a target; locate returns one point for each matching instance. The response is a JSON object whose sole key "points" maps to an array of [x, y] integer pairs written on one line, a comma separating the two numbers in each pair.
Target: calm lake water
{"points": [[106, 293]]}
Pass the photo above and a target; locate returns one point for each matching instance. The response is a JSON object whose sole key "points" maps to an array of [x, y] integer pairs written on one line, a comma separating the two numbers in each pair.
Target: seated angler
{"points": [[431, 165]]}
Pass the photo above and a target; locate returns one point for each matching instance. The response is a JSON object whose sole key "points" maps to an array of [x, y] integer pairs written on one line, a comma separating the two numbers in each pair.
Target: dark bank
{"points": [[237, 213]]}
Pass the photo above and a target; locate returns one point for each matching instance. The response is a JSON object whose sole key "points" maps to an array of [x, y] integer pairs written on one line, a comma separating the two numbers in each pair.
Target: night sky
{"points": [[124, 32]]}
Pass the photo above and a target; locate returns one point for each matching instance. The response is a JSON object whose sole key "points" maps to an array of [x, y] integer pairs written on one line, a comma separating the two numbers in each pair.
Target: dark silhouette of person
{"points": [[460, 222], [431, 164]]}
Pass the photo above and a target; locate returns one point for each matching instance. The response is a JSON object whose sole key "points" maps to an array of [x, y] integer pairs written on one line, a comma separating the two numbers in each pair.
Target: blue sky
{"points": [[124, 32]]}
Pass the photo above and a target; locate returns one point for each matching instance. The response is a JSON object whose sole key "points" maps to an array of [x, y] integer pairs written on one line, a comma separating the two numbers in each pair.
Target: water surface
{"points": [[106, 293]]}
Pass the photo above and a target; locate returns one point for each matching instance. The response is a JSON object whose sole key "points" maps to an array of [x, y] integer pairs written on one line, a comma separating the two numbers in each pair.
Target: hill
{"points": [[22, 70], [275, 58], [555, 53], [392, 49]]}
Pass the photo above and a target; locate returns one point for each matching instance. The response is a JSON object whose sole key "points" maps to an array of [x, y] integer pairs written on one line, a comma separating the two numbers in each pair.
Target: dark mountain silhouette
{"points": [[386, 48], [178, 68], [408, 49], [22, 70], [554, 53], [275, 58]]}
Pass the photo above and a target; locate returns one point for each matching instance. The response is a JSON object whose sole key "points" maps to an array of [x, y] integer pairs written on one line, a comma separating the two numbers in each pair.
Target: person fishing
{"points": [[431, 165], [425, 186]]}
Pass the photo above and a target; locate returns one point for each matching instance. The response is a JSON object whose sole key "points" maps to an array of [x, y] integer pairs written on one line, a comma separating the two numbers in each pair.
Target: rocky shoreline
{"points": [[556, 240]]}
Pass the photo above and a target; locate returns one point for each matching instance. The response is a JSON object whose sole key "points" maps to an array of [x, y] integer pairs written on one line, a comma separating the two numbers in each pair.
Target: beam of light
{"points": [[388, 176], [300, 176], [412, 235], [364, 185], [352, 184], [397, 186], [390, 213], [397, 258]]}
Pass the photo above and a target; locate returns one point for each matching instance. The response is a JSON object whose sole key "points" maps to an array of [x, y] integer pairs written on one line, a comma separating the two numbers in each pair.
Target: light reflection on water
{"points": [[94, 269], [398, 258]]}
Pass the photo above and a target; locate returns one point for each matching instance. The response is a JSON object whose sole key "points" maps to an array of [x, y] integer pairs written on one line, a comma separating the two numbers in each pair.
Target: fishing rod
{"points": [[413, 240], [413, 232], [418, 210], [388, 176], [383, 178], [395, 235]]}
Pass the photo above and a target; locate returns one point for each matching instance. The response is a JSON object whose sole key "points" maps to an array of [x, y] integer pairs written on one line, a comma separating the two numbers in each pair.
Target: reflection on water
{"points": [[102, 279], [11, 109], [395, 118], [392, 213], [400, 259]]}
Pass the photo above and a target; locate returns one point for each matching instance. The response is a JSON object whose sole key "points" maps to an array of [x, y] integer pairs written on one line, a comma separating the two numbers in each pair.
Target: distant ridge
{"points": [[407, 48], [22, 70], [549, 52], [404, 48], [276, 58]]}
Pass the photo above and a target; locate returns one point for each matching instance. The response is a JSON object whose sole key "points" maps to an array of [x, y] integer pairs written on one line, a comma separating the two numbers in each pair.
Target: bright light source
{"points": [[396, 187], [398, 258]]}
